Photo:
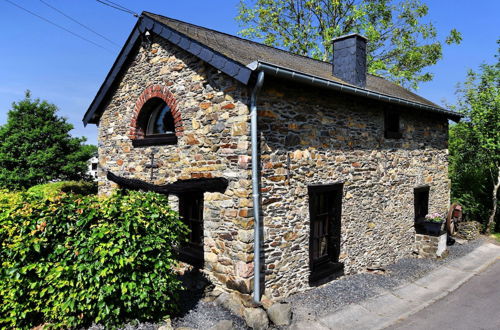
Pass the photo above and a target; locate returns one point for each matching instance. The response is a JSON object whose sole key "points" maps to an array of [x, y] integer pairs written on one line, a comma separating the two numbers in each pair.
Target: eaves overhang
{"points": [[285, 73], [230, 67]]}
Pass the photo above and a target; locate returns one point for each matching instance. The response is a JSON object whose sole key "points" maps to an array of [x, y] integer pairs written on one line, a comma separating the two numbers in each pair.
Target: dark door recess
{"points": [[421, 205], [421, 201], [191, 211], [325, 206]]}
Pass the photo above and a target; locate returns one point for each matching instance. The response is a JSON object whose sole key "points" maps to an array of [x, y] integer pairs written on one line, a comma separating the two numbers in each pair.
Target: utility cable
{"points": [[81, 24], [59, 26], [117, 6]]}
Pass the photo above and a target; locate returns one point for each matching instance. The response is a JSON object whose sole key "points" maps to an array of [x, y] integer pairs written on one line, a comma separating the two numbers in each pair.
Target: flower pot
{"points": [[433, 228]]}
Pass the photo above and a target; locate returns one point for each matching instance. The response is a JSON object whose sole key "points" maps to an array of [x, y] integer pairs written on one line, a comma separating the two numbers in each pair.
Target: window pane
{"points": [[196, 233], [156, 118], [161, 121], [322, 206], [392, 122], [323, 249], [191, 210]]}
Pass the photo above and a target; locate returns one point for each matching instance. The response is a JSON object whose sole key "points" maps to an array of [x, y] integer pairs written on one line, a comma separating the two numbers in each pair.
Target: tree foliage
{"points": [[36, 147], [401, 44], [479, 101], [469, 172]]}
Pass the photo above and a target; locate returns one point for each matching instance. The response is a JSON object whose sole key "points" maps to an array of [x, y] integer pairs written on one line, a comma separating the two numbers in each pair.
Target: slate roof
{"points": [[245, 52], [238, 57]]}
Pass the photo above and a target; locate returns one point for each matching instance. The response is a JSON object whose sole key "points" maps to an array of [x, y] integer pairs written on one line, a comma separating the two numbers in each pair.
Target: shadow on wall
{"points": [[291, 119]]}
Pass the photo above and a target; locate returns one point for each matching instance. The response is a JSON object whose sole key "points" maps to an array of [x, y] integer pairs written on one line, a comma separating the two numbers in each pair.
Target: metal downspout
{"points": [[255, 186]]}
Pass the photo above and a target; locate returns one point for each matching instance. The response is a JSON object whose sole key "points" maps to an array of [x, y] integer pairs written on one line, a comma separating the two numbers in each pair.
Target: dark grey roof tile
{"points": [[194, 48], [184, 43], [175, 38], [243, 74], [231, 69], [218, 61], [206, 55], [245, 52], [157, 28]]}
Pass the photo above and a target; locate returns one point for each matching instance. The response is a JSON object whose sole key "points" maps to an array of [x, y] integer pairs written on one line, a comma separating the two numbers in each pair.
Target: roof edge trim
{"points": [[286, 73], [232, 68]]}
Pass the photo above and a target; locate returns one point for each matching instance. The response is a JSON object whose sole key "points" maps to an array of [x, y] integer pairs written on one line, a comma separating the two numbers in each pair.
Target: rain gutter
{"points": [[285, 73]]}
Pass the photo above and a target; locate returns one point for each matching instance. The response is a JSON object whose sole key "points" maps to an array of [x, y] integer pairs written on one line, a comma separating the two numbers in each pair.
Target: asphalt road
{"points": [[475, 305]]}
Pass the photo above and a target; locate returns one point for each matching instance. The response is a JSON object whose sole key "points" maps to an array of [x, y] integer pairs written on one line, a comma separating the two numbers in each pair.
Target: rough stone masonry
{"points": [[307, 136], [212, 142], [317, 137]]}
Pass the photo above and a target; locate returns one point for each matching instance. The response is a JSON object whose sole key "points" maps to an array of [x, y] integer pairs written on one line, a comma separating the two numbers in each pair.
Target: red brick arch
{"points": [[163, 93]]}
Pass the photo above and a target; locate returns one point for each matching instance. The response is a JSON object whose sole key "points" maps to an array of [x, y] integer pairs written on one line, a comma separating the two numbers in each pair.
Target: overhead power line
{"points": [[77, 22], [117, 6], [59, 26]]}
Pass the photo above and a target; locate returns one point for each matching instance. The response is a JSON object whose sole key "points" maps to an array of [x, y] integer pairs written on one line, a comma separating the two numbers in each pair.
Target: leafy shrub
{"points": [[9, 200], [72, 260], [53, 189]]}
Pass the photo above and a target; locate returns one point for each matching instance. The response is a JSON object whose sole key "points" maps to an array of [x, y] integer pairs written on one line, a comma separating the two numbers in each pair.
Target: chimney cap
{"points": [[350, 35]]}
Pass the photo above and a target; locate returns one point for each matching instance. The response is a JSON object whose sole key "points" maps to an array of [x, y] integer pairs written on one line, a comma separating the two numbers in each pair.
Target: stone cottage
{"points": [[318, 168]]}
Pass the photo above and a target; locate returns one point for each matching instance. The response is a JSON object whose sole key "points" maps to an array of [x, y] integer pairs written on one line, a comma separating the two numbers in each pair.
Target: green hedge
{"points": [[72, 260], [55, 188]]}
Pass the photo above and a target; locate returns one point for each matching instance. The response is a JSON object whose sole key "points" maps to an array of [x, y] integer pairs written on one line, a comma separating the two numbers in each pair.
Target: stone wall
{"points": [[469, 230], [427, 246], [213, 141], [307, 137], [316, 137]]}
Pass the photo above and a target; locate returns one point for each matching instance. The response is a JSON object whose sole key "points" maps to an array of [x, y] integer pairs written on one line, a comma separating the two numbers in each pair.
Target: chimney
{"points": [[349, 59]]}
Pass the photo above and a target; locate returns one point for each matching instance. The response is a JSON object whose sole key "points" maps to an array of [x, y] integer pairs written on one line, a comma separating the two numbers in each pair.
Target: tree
{"points": [[479, 101], [36, 147], [400, 44], [469, 171]]}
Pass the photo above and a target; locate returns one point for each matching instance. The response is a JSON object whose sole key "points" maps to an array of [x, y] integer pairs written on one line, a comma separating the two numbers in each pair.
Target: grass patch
{"points": [[496, 236]]}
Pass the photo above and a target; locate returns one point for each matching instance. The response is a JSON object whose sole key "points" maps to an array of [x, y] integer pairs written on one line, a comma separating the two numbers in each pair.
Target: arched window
{"points": [[159, 118], [156, 124]]}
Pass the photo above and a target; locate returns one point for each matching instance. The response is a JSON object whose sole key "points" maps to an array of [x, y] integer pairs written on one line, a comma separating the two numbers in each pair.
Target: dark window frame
{"points": [[191, 212], [322, 267], [149, 109], [166, 139], [392, 125]]}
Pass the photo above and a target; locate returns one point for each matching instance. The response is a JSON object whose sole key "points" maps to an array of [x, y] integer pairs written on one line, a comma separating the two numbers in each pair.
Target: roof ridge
{"points": [[236, 37], [240, 59], [150, 14]]}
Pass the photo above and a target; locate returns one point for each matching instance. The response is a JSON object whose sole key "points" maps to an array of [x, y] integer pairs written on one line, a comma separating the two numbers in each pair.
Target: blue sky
{"points": [[67, 71]]}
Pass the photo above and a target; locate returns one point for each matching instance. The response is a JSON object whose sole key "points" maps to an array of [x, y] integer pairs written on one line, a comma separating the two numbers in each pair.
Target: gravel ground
{"points": [[351, 289], [322, 300], [205, 315]]}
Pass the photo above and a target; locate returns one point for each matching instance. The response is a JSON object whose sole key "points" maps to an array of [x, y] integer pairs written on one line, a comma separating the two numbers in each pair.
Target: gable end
{"points": [[230, 67]]}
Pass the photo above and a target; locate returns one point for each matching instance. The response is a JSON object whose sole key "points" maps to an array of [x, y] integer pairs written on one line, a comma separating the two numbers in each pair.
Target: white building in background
{"points": [[92, 167]]}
